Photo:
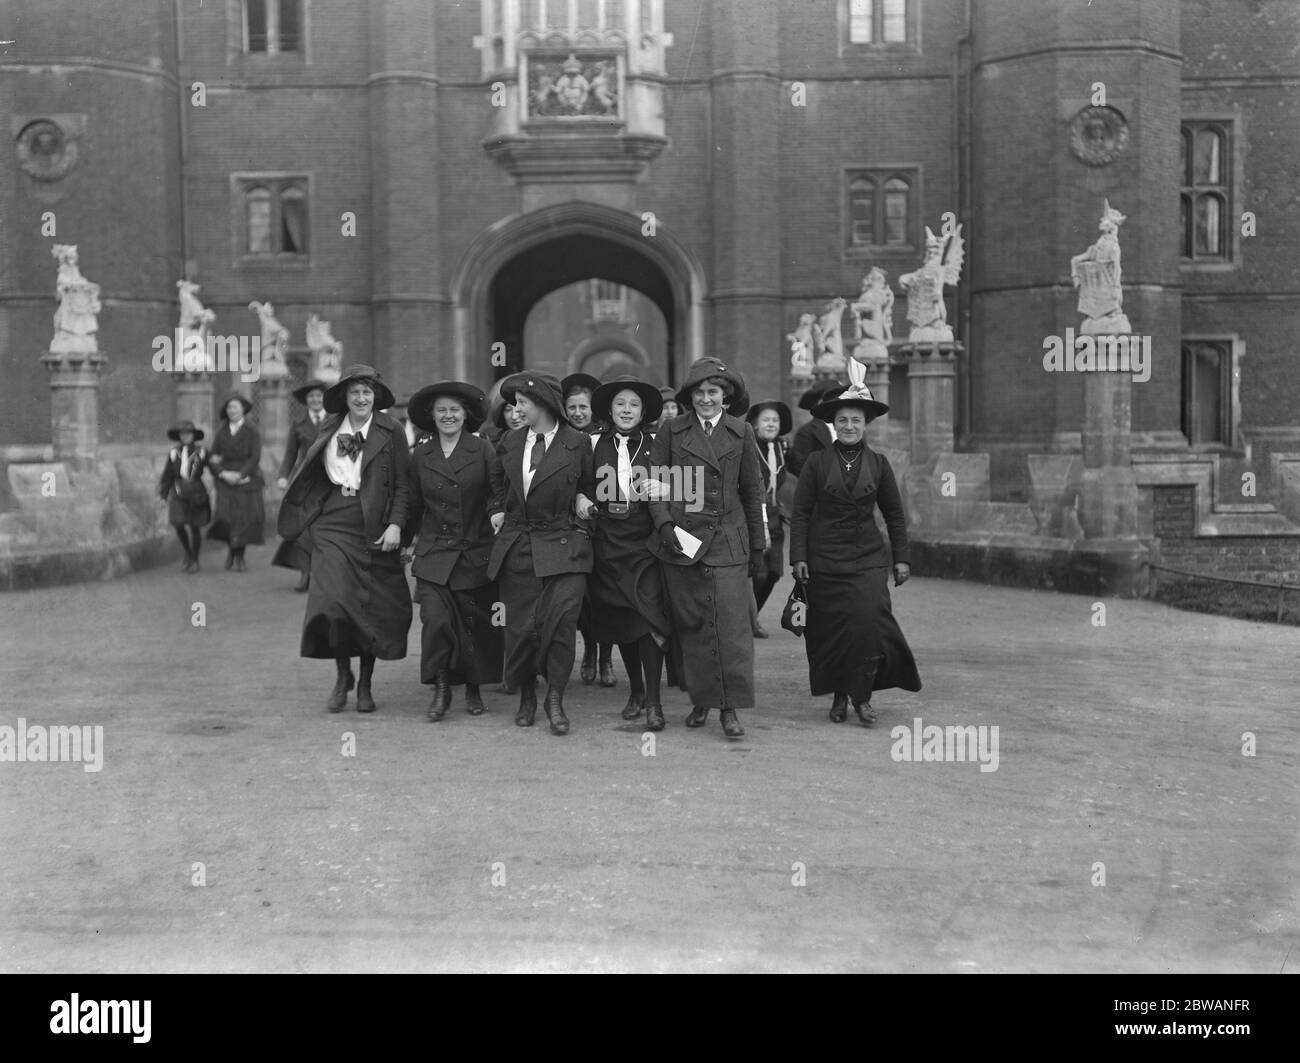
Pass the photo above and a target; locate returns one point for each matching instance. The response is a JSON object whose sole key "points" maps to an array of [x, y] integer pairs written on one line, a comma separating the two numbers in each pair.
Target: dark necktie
{"points": [[539, 452], [350, 444], [708, 429]]}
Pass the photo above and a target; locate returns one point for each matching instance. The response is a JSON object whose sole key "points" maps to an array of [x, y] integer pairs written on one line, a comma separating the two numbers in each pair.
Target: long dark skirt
{"points": [[626, 587], [294, 553], [240, 516], [710, 614], [854, 643], [541, 632], [457, 634], [359, 602]]}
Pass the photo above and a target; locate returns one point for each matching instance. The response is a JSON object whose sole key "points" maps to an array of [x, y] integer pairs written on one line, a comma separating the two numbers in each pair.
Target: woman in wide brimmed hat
{"points": [[853, 641], [813, 434], [626, 589], [181, 487], [541, 501], [236, 456], [451, 476], [710, 461], [302, 434], [771, 422], [351, 493]]}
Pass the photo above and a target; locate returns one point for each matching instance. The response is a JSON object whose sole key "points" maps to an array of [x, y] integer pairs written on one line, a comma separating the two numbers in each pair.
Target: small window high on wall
{"points": [[880, 24], [274, 215], [272, 26], [881, 209]]}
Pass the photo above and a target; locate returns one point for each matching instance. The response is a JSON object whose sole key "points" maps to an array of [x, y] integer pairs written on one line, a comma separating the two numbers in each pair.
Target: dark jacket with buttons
{"points": [[728, 512], [833, 527], [449, 500], [561, 542], [384, 483]]}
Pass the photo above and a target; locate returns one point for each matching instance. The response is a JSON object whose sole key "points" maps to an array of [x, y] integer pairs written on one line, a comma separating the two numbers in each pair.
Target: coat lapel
{"points": [[512, 461], [698, 444], [555, 458], [375, 441]]}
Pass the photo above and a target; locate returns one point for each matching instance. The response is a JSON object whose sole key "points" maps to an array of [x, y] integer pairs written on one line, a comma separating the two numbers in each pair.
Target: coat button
{"points": [[563, 541]]}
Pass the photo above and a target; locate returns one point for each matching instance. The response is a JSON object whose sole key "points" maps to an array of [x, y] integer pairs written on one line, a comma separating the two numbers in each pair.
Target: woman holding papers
{"points": [[709, 538], [854, 644]]}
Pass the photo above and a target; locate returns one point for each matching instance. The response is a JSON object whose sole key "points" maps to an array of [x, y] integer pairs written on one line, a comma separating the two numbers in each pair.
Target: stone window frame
{"points": [[1229, 430], [273, 10], [639, 34], [1225, 190], [880, 176], [277, 182], [878, 46]]}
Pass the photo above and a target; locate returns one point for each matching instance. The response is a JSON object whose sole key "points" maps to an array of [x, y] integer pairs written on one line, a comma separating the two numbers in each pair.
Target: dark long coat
{"points": [[359, 602], [561, 542], [709, 596], [240, 513], [448, 511], [385, 488], [186, 497], [853, 641], [776, 505]]}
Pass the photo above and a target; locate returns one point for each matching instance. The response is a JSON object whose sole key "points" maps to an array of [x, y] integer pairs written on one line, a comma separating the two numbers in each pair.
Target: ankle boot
{"points": [[731, 725], [589, 663], [632, 710], [527, 704], [698, 717], [441, 697], [555, 712], [365, 702], [839, 708], [654, 717], [474, 700], [339, 695], [607, 677]]}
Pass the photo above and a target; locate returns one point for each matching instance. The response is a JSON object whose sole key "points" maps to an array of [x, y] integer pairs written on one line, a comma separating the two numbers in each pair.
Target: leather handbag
{"points": [[794, 616]]}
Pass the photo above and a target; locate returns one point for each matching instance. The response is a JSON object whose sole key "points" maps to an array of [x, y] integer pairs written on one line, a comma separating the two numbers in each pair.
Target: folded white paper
{"points": [[689, 544]]}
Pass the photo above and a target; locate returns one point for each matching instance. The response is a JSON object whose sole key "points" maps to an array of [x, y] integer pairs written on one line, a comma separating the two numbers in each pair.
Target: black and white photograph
{"points": [[651, 486]]}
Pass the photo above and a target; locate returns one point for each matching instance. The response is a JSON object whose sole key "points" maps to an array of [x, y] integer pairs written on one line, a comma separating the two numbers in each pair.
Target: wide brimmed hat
{"points": [[241, 398], [669, 394], [857, 395], [782, 410], [419, 410], [819, 392], [543, 387], [336, 396], [603, 398], [174, 433], [703, 369], [577, 382], [312, 385]]}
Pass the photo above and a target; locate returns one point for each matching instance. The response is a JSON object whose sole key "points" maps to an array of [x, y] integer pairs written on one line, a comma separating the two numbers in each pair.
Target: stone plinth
{"points": [[1108, 494], [74, 407], [194, 399], [878, 381], [932, 380], [273, 411]]}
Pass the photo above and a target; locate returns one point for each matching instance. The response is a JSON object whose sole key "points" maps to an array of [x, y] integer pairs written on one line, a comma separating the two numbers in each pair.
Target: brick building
{"points": [[427, 175]]}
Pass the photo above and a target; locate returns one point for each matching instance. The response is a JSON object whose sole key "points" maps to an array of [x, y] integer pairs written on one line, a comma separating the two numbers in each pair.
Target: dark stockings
{"points": [[644, 661]]}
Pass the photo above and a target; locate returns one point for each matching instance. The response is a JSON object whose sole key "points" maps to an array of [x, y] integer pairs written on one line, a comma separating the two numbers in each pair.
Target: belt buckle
{"points": [[349, 492]]}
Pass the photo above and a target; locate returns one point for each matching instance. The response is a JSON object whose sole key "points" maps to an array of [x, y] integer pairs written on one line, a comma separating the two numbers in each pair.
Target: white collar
{"points": [[548, 436], [713, 421], [346, 426]]}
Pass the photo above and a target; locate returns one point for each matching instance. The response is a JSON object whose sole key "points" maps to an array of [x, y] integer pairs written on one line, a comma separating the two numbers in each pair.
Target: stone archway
{"points": [[520, 259]]}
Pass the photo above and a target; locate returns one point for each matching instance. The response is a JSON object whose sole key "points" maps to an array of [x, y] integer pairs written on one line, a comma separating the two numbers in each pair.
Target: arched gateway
{"points": [[519, 260]]}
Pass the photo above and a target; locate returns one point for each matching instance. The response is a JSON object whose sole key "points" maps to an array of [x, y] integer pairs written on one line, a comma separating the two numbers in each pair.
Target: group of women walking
{"points": [[660, 533]]}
